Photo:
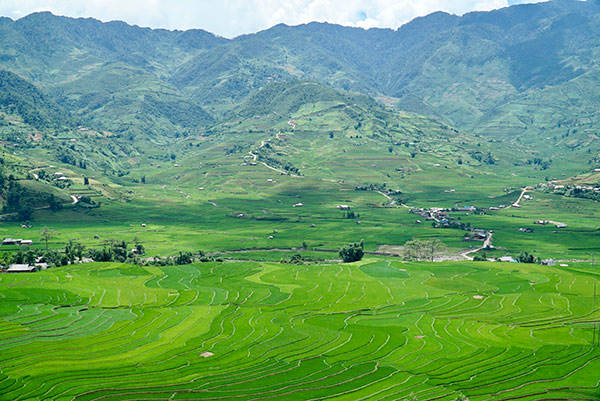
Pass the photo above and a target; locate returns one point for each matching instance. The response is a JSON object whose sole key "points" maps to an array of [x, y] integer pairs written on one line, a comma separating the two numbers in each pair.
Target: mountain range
{"points": [[525, 74]]}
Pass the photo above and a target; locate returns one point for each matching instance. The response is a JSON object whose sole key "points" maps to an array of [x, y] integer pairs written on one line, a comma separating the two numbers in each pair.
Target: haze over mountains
{"points": [[526, 72]]}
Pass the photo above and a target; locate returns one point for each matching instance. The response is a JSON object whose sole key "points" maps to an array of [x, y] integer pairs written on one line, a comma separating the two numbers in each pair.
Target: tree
{"points": [[352, 252], [25, 213], [54, 203], [5, 258], [434, 246], [416, 249], [74, 250], [525, 257], [482, 257], [86, 181], [46, 235], [118, 250], [184, 258]]}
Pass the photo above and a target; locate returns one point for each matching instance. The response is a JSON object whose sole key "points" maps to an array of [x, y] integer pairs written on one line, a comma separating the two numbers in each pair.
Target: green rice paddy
{"points": [[375, 329]]}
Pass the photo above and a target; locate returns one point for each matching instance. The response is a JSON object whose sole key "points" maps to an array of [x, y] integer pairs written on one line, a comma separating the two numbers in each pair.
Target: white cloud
{"points": [[234, 17]]}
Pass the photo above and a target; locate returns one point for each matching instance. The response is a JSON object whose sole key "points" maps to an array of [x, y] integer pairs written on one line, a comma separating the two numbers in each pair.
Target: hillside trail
{"points": [[392, 201], [486, 244], [519, 199], [12, 214], [33, 170], [283, 172]]}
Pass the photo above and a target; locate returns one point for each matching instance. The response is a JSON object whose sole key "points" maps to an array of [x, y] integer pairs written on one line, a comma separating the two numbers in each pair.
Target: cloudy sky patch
{"points": [[231, 18]]}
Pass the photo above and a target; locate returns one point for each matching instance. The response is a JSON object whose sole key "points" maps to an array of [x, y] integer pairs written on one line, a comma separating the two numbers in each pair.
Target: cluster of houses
{"points": [[60, 176], [440, 215], [557, 224], [14, 241], [545, 262], [443, 220], [22, 268], [554, 185], [435, 214]]}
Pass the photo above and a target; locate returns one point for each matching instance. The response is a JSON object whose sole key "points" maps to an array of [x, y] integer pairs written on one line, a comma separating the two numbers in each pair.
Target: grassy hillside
{"points": [[21, 102], [503, 73]]}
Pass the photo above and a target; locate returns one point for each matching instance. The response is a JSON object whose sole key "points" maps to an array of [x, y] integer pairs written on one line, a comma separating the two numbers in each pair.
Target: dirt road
{"points": [[486, 244]]}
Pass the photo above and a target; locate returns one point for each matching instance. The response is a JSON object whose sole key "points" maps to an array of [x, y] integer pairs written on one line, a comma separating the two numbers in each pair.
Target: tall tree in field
{"points": [[423, 249], [47, 235]]}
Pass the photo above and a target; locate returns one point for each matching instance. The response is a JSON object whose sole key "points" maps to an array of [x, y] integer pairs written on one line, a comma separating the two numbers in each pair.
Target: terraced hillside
{"points": [[368, 330]]}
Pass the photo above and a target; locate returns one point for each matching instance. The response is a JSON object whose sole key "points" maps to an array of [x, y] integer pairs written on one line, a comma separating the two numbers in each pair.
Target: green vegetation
{"points": [[372, 329], [273, 153], [352, 252]]}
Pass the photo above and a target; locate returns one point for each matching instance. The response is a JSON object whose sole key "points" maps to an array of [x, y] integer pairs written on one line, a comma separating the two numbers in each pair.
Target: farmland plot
{"points": [[370, 330]]}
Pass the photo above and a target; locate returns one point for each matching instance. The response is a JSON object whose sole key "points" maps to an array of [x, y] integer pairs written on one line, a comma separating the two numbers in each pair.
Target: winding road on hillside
{"points": [[283, 172], [518, 200], [33, 170], [255, 158], [486, 244], [12, 214]]}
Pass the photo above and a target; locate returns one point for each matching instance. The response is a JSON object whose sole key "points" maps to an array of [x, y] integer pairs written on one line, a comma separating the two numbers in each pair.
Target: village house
{"points": [[479, 235], [21, 268], [13, 241]]}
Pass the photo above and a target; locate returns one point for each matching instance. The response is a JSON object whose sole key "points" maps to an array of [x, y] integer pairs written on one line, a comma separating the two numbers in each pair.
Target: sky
{"points": [[230, 18]]}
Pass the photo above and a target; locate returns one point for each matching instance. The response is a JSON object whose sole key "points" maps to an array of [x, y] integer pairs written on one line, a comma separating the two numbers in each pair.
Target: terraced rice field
{"points": [[240, 331]]}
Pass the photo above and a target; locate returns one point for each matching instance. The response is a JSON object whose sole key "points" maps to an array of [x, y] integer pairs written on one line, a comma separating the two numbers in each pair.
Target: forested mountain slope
{"points": [[526, 73]]}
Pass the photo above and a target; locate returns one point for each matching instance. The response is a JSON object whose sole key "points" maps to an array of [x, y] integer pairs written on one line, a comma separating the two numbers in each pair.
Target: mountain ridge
{"points": [[474, 72]]}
